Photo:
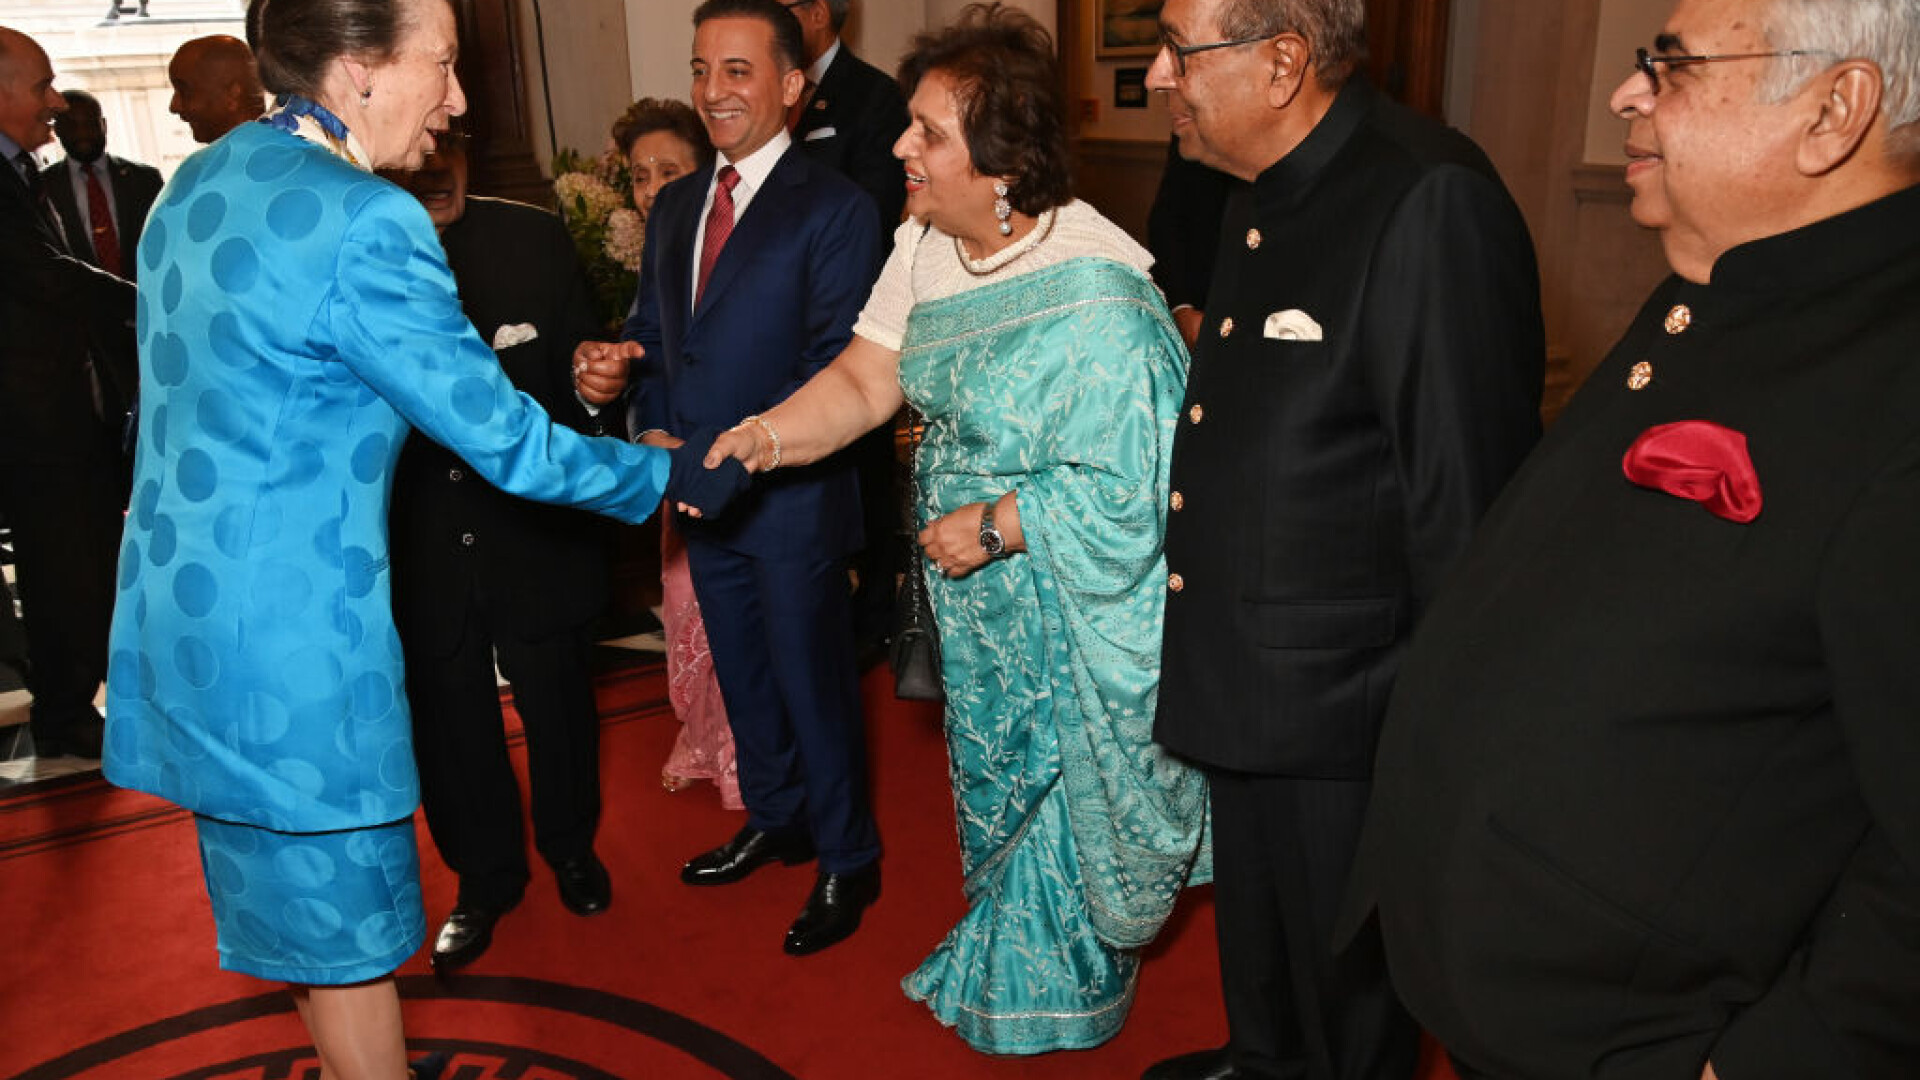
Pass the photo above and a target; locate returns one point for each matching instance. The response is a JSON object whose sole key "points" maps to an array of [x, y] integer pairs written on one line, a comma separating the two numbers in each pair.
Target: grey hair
{"points": [[1336, 29], [837, 11], [1886, 32]]}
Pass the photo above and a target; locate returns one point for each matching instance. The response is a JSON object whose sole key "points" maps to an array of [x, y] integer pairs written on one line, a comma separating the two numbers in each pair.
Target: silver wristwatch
{"points": [[991, 541]]}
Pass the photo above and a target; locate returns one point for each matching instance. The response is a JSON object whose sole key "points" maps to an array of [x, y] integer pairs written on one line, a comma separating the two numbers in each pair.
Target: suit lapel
{"points": [[60, 194], [773, 204], [677, 257], [123, 208], [42, 215], [820, 109]]}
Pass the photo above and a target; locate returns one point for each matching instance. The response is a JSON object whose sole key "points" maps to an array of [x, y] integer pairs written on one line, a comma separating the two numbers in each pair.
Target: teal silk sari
{"points": [[1076, 831]]}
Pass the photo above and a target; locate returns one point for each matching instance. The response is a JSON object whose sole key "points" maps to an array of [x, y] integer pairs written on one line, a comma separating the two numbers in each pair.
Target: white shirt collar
{"points": [[818, 69], [8, 151], [755, 167]]}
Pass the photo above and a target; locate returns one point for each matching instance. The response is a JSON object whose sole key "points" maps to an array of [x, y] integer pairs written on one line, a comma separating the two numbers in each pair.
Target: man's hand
{"points": [[1189, 320], [600, 369]]}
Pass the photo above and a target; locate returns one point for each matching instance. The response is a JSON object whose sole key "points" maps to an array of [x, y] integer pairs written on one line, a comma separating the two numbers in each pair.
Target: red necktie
{"points": [[719, 227], [106, 243]]}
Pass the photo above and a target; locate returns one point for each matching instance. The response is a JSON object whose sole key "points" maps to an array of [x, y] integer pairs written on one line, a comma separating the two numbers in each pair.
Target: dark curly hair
{"points": [[648, 115], [1002, 66]]}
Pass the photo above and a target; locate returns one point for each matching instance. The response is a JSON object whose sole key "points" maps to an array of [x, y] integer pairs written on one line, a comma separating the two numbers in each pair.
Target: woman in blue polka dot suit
{"points": [[298, 315]]}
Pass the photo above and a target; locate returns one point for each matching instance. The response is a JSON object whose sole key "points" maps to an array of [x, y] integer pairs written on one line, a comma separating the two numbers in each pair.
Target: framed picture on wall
{"points": [[1124, 28]]}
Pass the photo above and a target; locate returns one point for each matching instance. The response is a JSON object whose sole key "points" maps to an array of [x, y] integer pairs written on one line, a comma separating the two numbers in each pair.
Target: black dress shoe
{"points": [[749, 850], [1198, 1065], [833, 909], [465, 935], [584, 885]]}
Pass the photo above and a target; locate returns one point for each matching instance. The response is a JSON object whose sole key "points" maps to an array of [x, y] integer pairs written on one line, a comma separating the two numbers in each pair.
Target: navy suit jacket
{"points": [[780, 305]]}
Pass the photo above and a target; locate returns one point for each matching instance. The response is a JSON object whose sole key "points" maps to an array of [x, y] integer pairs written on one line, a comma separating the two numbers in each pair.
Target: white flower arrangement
{"points": [[596, 201], [626, 235]]}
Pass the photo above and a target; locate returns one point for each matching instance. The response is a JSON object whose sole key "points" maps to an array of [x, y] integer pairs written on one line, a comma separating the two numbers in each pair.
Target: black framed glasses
{"points": [[1649, 64], [1179, 52], [794, 5]]}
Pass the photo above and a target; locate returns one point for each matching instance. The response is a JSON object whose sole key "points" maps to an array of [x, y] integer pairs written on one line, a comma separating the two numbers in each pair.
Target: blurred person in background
{"points": [[64, 363], [216, 86], [662, 141], [102, 200]]}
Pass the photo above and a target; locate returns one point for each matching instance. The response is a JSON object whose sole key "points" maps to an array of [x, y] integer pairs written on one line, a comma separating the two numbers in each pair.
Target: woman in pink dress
{"points": [[663, 140]]}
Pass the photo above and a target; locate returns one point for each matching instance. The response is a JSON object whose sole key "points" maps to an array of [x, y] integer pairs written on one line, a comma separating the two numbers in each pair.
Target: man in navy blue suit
{"points": [[755, 268]]}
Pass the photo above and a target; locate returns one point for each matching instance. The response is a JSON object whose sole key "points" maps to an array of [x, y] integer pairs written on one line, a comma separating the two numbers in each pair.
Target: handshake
{"points": [[708, 492]]}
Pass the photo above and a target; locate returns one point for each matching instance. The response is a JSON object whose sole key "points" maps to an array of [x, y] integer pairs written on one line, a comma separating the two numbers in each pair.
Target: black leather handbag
{"points": [[915, 652]]}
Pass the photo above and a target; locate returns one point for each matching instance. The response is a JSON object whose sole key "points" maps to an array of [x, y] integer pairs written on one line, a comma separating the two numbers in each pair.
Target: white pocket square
{"points": [[517, 334], [1291, 325], [818, 133]]}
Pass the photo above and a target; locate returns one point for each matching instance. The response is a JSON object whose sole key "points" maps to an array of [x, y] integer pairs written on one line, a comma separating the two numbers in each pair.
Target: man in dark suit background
{"points": [[849, 117], [851, 113], [754, 270], [479, 574], [59, 436], [102, 200], [1646, 798], [1366, 378]]}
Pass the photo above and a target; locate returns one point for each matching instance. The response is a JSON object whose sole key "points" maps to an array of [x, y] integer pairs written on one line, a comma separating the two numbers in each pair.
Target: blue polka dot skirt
{"points": [[321, 909]]}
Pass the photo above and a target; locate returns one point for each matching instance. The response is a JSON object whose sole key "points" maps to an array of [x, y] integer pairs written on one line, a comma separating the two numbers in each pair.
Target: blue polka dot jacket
{"points": [[296, 316]]}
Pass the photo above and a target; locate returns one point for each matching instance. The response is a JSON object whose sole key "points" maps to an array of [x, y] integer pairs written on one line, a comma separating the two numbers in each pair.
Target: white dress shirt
{"points": [[753, 170]]}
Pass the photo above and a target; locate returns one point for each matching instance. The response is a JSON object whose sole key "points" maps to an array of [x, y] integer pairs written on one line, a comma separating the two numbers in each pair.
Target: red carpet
{"points": [[113, 972]]}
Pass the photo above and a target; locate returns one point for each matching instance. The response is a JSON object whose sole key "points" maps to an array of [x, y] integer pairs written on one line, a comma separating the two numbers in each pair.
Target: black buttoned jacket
{"points": [[1649, 791], [542, 568], [1325, 486]]}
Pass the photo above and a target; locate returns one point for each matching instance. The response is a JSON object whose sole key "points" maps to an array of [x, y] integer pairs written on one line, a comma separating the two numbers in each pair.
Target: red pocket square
{"points": [[1697, 460]]}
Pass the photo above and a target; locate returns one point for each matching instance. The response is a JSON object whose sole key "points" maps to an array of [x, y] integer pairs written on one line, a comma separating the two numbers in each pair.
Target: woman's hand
{"points": [[744, 443], [952, 542]]}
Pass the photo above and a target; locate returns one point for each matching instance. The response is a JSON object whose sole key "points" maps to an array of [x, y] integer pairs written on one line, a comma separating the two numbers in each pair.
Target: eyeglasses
{"points": [[1181, 52], [792, 5], [1649, 64]]}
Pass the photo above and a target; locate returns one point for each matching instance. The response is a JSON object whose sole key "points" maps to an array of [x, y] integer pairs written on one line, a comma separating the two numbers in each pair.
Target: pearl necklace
{"points": [[1006, 255]]}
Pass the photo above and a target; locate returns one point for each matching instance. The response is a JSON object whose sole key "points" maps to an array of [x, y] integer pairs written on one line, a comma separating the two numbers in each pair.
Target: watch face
{"points": [[993, 542]]}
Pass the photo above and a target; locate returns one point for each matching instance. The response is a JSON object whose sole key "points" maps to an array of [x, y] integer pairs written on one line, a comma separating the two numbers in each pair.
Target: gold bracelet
{"points": [[773, 437]]}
